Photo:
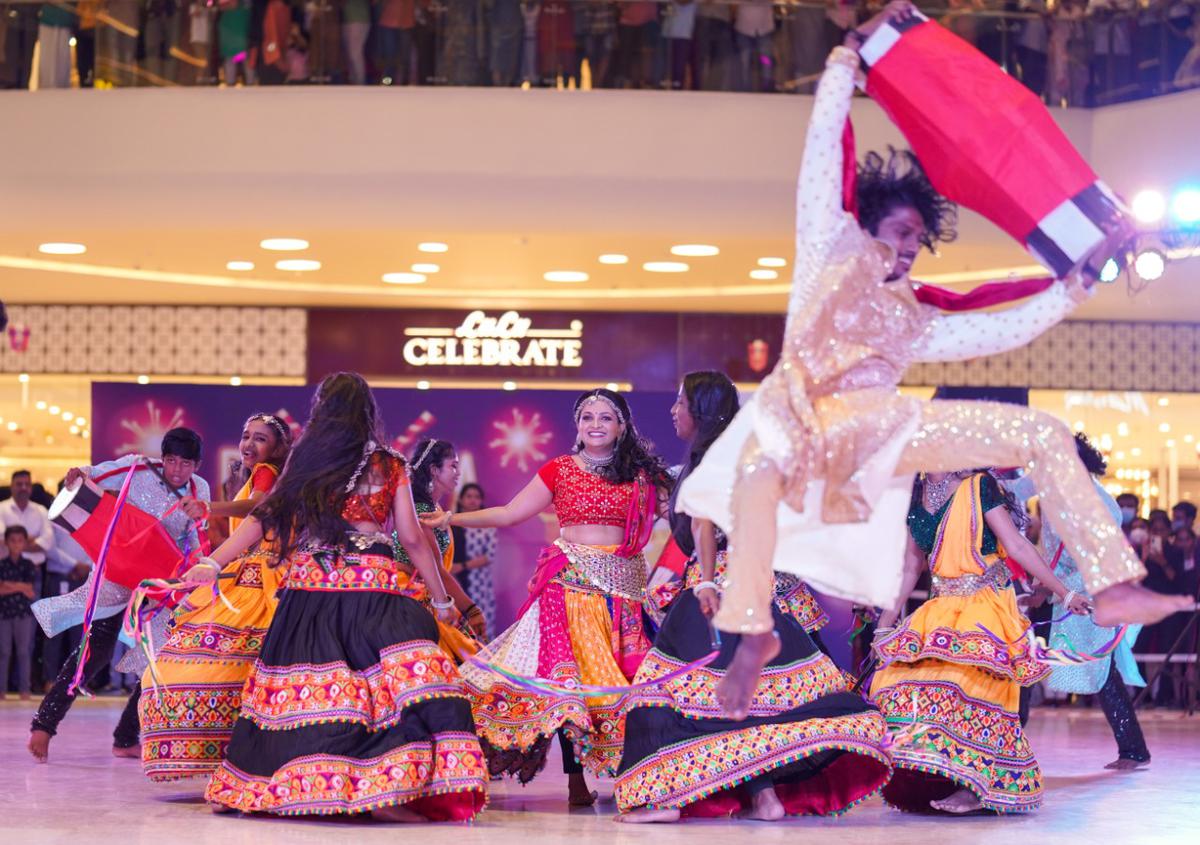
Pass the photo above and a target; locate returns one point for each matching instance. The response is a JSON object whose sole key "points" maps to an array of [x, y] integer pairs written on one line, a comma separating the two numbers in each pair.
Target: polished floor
{"points": [[85, 795]]}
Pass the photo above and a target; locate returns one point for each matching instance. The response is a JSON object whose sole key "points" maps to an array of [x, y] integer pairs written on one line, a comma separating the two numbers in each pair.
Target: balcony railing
{"points": [[1070, 52]]}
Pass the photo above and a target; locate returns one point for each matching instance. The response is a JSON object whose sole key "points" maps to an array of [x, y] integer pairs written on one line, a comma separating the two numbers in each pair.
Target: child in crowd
{"points": [[17, 575]]}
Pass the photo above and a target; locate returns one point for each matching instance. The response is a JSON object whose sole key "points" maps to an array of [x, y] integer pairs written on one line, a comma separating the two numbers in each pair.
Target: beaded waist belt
{"points": [[995, 577], [369, 567], [596, 570]]}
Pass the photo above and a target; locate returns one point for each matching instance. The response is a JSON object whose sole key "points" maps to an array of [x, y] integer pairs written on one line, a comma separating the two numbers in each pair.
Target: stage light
{"points": [[1149, 206], [1150, 265], [1185, 206], [284, 244], [565, 276], [695, 250], [1110, 271]]}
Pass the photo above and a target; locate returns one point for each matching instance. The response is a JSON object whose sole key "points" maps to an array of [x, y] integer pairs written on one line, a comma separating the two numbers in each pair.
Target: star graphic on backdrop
{"points": [[145, 434], [521, 440]]}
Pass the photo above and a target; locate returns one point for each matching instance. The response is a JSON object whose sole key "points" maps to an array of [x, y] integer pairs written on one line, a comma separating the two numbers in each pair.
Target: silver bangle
{"points": [[442, 605], [706, 585], [1068, 598], [209, 562]]}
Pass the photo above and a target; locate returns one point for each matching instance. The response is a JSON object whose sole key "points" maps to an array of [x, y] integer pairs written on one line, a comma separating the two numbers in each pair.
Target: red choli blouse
{"points": [[582, 498], [375, 507]]}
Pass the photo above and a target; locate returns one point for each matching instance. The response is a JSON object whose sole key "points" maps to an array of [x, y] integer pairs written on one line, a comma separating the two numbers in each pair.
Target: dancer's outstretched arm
{"points": [[534, 498], [959, 337]]}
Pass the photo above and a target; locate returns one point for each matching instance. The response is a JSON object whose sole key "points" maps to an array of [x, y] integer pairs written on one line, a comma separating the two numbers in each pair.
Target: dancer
{"points": [[435, 476], [192, 694], [351, 707], [810, 745], [477, 549], [953, 671], [157, 487], [582, 623], [820, 457], [1106, 677]]}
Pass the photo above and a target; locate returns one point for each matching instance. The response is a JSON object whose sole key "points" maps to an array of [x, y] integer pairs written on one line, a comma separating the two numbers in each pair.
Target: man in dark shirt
{"points": [[17, 574]]}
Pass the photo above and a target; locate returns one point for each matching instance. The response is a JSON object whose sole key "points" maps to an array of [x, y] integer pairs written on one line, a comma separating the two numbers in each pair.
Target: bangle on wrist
{"points": [[445, 604], [706, 585], [473, 609]]}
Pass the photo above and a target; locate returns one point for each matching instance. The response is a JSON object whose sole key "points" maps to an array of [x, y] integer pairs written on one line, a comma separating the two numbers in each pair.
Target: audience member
{"points": [[1183, 515], [1130, 505], [55, 22], [21, 510], [17, 575], [753, 25]]}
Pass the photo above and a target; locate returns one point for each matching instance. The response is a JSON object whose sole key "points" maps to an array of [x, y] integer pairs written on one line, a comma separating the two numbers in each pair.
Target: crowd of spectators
{"points": [[1074, 52]]}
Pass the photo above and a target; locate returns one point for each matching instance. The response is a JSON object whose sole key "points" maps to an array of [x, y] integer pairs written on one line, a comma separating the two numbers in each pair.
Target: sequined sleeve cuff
{"points": [[843, 56]]}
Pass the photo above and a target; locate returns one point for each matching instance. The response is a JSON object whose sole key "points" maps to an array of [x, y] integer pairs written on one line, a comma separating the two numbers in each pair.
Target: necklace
{"points": [[594, 465], [937, 492]]}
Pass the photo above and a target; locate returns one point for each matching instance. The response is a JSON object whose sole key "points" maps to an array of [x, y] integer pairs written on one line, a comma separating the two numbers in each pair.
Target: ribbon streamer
{"points": [[545, 685]]}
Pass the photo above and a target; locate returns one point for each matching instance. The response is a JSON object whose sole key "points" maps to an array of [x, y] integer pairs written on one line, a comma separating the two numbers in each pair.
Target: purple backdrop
{"points": [[502, 439]]}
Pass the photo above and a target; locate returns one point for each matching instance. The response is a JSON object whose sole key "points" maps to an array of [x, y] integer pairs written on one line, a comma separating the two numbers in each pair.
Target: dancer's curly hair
{"points": [[1092, 458], [885, 184], [634, 454]]}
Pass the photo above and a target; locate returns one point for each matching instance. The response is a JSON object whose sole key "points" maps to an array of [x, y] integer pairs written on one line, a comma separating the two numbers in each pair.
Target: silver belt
{"points": [[995, 577], [604, 571]]}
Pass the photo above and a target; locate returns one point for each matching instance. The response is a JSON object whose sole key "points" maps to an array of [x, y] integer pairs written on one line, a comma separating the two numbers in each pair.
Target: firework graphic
{"points": [[144, 434], [521, 440]]}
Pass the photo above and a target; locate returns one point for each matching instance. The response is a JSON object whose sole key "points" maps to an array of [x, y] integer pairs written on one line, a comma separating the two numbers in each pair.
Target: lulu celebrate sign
{"points": [[509, 340]]}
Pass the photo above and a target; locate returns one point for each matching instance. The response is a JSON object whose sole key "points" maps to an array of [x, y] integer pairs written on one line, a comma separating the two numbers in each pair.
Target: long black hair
{"points": [[428, 454], [339, 439], [712, 401], [899, 180], [634, 454]]}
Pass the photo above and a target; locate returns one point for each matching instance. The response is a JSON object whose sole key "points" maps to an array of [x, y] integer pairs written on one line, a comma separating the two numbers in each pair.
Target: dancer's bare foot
{"points": [[1123, 764], [578, 794], [1132, 604], [401, 815], [132, 752], [648, 815], [764, 807], [736, 689], [39, 746], [963, 801]]}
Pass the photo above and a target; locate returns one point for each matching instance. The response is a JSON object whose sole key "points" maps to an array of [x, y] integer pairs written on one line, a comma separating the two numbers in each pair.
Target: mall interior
{"points": [[203, 202]]}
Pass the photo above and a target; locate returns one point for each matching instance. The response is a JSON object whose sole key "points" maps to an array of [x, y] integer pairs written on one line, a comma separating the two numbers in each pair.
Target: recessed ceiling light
{"points": [[403, 278], [54, 410], [298, 265], [23, 378], [1136, 452], [239, 265], [763, 275], [143, 379], [1170, 444], [74, 429], [61, 248], [423, 385], [41, 406], [433, 246], [12, 426], [1163, 401], [772, 262], [235, 381], [284, 244], [509, 385], [665, 267], [614, 258], [67, 416], [695, 250], [1165, 428], [80, 421], [1079, 425], [425, 268], [565, 276], [1188, 438], [1122, 429]]}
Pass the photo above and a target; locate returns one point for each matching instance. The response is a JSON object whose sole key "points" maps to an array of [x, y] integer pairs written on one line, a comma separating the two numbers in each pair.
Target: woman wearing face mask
{"points": [[582, 623], [191, 696], [435, 476], [810, 745]]}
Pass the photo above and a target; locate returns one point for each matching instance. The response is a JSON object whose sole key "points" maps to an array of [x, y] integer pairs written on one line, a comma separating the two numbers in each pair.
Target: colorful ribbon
{"points": [[545, 685]]}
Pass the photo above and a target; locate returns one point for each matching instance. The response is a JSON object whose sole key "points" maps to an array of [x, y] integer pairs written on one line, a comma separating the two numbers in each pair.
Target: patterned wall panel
{"points": [[1084, 355], [156, 340]]}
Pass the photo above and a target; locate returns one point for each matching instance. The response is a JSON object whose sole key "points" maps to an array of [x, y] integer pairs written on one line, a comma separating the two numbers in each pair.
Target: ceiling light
{"points": [[509, 385], [12, 426], [86, 435], [1150, 264], [239, 265], [298, 265], [1122, 429], [41, 406], [1079, 425], [695, 250], [764, 275], [74, 429], [665, 267], [423, 385], [1188, 438], [59, 248], [143, 379], [613, 386], [80, 421], [425, 268], [235, 381], [1186, 206], [403, 278], [565, 276], [1149, 206], [614, 258], [433, 246], [1165, 428], [67, 416], [1120, 456], [1170, 444], [284, 244], [54, 410], [1136, 451], [1163, 401], [23, 378]]}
